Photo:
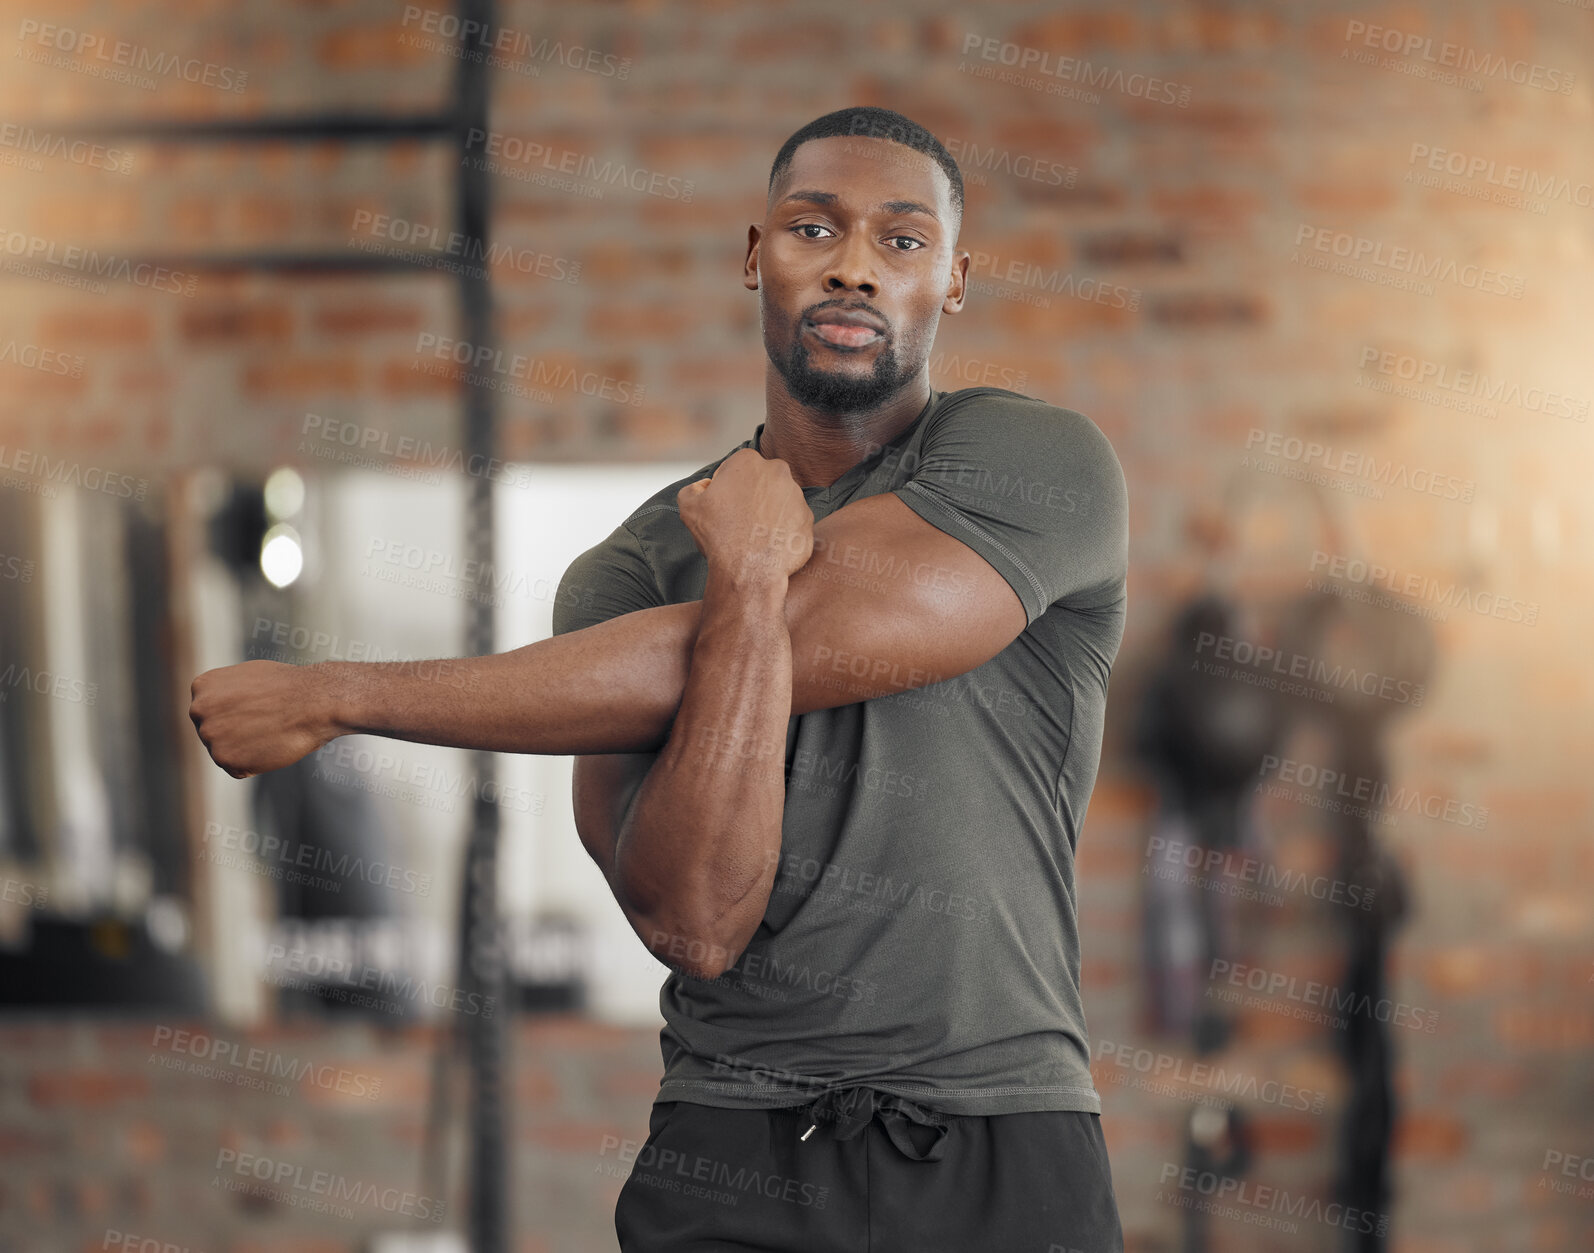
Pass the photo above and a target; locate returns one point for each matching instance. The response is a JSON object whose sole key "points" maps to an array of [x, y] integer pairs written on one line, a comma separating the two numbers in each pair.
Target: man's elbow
{"points": [[695, 951]]}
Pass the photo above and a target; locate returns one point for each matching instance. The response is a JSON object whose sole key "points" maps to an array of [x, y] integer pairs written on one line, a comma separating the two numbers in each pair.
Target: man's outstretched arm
{"points": [[887, 603]]}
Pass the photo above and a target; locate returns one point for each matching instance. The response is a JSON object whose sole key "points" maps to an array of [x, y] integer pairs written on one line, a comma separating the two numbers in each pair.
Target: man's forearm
{"points": [[609, 688], [697, 854]]}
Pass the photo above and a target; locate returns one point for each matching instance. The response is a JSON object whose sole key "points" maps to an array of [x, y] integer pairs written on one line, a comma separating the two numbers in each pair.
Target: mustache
{"points": [[849, 306]]}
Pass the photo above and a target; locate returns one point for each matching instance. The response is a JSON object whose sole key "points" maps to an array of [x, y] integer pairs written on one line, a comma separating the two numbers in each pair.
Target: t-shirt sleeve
{"points": [[1036, 490], [609, 579]]}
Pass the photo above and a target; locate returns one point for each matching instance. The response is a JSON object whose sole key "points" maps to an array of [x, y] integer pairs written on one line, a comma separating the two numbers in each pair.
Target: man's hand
{"points": [[261, 715], [750, 518]]}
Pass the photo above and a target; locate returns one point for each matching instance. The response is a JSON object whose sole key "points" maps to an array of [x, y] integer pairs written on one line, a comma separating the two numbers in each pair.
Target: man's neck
{"points": [[820, 447]]}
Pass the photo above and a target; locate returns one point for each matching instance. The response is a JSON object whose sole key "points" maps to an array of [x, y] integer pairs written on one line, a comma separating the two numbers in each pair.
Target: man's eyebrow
{"points": [[810, 196], [909, 206]]}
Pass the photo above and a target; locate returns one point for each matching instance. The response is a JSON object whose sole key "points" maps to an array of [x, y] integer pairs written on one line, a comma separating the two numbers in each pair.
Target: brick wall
{"points": [[1200, 202], [138, 1128]]}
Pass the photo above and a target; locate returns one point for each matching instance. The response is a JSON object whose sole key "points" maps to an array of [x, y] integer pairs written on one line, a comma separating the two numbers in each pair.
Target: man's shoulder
{"points": [[1003, 413]]}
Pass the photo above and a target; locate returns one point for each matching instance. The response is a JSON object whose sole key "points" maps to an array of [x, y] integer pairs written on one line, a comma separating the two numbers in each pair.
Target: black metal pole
{"points": [[482, 964]]}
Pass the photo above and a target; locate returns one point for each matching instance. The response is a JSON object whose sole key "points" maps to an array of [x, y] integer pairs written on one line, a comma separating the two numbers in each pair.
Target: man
{"points": [[837, 706]]}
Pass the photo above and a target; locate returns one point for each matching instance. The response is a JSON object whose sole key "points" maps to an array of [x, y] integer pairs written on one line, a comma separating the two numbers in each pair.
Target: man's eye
{"points": [[917, 243], [809, 226]]}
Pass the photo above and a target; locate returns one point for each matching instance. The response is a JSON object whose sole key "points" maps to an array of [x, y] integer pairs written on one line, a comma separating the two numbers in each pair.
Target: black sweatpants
{"points": [[875, 1174]]}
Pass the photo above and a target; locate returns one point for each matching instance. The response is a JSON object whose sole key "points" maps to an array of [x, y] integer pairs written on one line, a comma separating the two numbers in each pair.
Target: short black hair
{"points": [[873, 123]]}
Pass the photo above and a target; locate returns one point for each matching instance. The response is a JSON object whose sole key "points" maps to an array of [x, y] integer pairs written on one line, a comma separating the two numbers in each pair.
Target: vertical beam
{"points": [[482, 956]]}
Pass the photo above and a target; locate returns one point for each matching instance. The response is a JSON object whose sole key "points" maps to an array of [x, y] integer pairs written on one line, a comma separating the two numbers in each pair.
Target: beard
{"points": [[829, 392]]}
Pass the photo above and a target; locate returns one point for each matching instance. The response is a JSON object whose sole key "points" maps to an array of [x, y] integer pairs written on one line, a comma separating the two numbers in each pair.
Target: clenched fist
{"points": [[750, 518], [261, 715]]}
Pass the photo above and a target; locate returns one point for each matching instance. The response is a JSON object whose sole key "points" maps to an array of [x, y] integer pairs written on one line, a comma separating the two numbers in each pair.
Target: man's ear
{"points": [[750, 266], [957, 284]]}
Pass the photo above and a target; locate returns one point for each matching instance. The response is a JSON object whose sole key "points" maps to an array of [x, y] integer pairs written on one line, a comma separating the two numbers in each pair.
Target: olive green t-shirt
{"points": [[922, 934]]}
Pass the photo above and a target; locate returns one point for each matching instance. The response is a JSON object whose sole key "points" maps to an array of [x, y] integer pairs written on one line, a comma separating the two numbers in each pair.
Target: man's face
{"points": [[854, 265]]}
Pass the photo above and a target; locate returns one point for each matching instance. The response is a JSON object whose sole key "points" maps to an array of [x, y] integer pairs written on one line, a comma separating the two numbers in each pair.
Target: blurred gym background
{"points": [[336, 328]]}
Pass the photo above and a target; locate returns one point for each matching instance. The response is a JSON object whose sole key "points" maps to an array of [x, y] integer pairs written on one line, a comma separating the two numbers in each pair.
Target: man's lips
{"points": [[845, 328]]}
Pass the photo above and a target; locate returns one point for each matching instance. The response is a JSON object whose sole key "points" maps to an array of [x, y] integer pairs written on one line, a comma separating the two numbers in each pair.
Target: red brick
{"points": [[1550, 1028], [378, 47], [144, 1142], [1215, 30], [1205, 310], [245, 324], [299, 376], [783, 41], [1065, 34], [1430, 1135], [23, 383], [1273, 1135], [88, 1089], [125, 326], [367, 317], [407, 379], [667, 429]]}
